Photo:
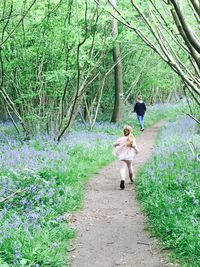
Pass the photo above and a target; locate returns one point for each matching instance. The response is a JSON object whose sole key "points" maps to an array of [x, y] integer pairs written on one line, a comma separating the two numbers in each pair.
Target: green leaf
{"points": [[23, 262], [4, 265]]}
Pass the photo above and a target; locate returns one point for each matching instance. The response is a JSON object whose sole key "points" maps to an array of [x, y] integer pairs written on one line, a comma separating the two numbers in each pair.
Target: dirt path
{"points": [[111, 227]]}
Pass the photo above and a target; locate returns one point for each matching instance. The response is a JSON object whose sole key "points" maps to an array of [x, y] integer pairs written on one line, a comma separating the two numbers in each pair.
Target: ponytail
{"points": [[130, 140], [127, 132]]}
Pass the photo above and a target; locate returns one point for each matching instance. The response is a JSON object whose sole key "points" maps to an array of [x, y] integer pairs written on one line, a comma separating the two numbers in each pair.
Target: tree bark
{"points": [[118, 104]]}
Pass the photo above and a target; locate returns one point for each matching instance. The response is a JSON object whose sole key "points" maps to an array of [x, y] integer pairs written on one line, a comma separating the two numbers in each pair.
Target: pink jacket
{"points": [[122, 151]]}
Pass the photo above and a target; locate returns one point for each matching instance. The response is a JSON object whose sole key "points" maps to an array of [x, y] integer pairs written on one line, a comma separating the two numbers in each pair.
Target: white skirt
{"points": [[126, 157]]}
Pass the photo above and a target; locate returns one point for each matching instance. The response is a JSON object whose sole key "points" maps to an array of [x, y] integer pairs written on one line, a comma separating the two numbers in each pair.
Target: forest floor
{"points": [[111, 228]]}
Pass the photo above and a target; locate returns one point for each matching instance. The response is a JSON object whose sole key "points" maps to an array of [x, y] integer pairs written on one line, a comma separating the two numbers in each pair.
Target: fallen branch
{"points": [[193, 118], [142, 243], [70, 250], [19, 191], [193, 150]]}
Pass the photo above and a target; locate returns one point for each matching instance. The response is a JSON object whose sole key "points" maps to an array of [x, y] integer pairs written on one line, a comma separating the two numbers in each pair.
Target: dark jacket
{"points": [[140, 108]]}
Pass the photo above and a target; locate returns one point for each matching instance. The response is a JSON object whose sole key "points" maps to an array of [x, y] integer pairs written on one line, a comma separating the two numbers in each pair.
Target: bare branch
{"points": [[194, 118], [19, 191], [194, 40], [196, 15], [146, 40], [78, 75], [18, 23], [166, 26], [165, 40], [196, 5]]}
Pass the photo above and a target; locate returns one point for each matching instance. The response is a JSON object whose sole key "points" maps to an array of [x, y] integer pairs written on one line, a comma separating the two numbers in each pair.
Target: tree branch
{"points": [[193, 39], [18, 23]]}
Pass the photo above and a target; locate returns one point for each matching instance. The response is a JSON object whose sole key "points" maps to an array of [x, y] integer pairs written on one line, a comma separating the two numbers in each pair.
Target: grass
{"points": [[168, 189], [52, 179], [34, 224]]}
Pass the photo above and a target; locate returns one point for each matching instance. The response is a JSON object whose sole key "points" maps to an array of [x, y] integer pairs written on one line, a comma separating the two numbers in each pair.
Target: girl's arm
{"points": [[115, 144], [136, 149], [134, 145]]}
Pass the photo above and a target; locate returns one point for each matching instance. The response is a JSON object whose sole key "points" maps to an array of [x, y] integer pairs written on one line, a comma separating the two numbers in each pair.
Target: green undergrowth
{"points": [[35, 229], [82, 165], [168, 188], [45, 243]]}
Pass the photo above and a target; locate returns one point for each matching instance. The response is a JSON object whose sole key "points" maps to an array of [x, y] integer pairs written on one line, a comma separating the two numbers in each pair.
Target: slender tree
{"points": [[171, 33], [118, 104]]}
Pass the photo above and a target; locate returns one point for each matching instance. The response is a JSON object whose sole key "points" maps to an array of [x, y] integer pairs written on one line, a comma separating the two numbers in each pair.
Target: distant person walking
{"points": [[125, 149], [140, 109]]}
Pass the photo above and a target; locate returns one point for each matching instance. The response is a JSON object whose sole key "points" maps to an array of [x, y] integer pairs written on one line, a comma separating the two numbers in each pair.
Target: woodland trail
{"points": [[111, 227]]}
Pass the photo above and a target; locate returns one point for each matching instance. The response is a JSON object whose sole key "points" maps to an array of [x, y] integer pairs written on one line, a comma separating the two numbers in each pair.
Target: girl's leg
{"points": [[130, 170], [123, 167]]}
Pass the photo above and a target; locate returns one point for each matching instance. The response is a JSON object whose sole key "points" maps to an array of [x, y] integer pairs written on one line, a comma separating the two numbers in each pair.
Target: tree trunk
{"points": [[118, 104]]}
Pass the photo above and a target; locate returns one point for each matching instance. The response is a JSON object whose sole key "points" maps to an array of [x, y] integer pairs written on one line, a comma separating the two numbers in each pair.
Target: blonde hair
{"points": [[127, 132], [139, 97]]}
